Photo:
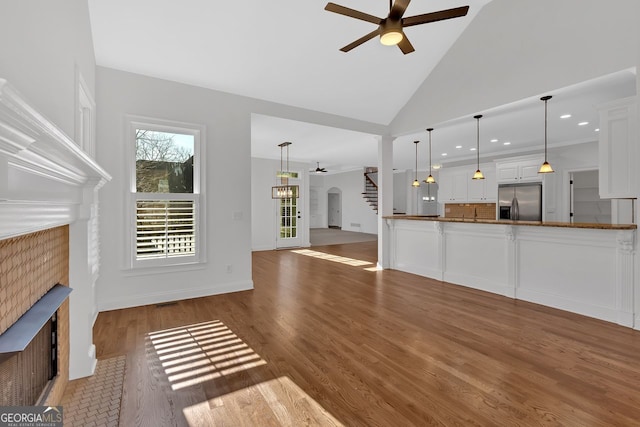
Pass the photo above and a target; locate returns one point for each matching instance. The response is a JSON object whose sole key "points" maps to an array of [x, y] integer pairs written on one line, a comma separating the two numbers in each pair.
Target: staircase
{"points": [[370, 194]]}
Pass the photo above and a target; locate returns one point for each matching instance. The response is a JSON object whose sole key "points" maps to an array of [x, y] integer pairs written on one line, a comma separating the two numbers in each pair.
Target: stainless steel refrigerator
{"points": [[520, 201]]}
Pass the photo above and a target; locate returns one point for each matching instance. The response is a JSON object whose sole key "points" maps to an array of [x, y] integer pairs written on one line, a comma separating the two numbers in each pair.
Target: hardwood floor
{"points": [[321, 340]]}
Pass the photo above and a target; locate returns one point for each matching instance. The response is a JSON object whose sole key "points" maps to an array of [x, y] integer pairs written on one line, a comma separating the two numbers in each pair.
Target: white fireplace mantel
{"points": [[43, 173], [47, 180]]}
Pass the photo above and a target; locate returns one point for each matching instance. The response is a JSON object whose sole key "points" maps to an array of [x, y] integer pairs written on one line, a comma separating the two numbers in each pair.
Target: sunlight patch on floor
{"points": [[289, 405], [335, 258], [201, 352]]}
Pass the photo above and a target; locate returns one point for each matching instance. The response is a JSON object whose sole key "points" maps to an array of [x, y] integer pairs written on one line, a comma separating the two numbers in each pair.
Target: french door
{"points": [[289, 227]]}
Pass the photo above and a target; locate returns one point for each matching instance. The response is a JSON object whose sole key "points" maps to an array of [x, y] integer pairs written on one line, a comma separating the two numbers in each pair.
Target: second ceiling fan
{"points": [[390, 28]]}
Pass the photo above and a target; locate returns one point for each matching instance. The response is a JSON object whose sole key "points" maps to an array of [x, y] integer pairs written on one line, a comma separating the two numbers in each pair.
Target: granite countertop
{"points": [[509, 222]]}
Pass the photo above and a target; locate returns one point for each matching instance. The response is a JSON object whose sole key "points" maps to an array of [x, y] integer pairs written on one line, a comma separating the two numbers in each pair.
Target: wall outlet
{"points": [[229, 268]]}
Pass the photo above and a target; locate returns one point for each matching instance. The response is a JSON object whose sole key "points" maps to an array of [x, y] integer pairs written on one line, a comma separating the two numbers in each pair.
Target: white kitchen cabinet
{"points": [[618, 140], [452, 185], [483, 190], [519, 171]]}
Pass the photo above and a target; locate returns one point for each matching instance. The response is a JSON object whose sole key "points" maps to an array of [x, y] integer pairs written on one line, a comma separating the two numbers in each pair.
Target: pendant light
{"points": [[546, 167], [284, 190], [478, 174], [430, 179], [416, 183]]}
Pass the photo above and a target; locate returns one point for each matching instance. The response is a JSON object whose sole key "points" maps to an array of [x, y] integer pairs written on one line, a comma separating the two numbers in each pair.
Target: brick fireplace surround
{"points": [[30, 265]]}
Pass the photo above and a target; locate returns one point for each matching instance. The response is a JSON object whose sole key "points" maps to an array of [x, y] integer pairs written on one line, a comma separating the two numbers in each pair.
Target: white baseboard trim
{"points": [[636, 324], [174, 295], [263, 248]]}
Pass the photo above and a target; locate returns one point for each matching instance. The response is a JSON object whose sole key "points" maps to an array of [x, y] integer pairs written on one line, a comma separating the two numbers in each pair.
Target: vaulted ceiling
{"points": [[287, 52]]}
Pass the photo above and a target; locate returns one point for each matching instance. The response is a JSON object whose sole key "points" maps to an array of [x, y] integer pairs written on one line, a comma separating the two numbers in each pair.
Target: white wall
{"points": [[355, 210], [227, 122], [41, 44], [317, 202], [227, 119], [565, 160], [515, 49], [264, 215], [400, 192]]}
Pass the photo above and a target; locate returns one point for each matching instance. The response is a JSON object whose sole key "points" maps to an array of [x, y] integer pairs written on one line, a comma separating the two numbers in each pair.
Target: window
{"points": [[166, 199]]}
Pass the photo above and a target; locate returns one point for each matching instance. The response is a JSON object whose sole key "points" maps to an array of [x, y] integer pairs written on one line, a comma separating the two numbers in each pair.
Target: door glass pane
{"points": [[288, 217], [164, 162]]}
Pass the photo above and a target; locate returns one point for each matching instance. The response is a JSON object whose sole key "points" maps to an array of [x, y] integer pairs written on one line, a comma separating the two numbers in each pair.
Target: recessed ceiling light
{"points": [[506, 143], [472, 148], [437, 166], [494, 140], [444, 154], [565, 116], [583, 123], [458, 146], [598, 130]]}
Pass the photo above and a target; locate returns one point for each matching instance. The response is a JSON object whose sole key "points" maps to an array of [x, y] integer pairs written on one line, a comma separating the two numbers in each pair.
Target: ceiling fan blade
{"points": [[361, 40], [398, 9], [405, 45], [435, 16], [336, 8]]}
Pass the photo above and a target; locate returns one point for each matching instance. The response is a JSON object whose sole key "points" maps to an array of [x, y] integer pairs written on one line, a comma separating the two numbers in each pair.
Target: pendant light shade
{"points": [[546, 167], [478, 174], [416, 183], [430, 179]]}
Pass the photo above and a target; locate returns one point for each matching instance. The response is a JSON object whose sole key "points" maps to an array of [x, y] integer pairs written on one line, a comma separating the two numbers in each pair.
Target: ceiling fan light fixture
{"points": [[391, 37], [391, 32]]}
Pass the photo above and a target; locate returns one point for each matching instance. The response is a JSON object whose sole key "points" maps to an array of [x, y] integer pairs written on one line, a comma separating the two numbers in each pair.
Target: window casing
{"points": [[165, 203]]}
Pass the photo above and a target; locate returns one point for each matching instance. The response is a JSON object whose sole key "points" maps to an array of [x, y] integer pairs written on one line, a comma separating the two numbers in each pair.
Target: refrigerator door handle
{"points": [[515, 210]]}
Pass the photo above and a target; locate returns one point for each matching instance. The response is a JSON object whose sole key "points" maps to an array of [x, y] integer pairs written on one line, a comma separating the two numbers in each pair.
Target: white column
{"points": [[385, 198], [624, 277], [83, 269], [512, 265]]}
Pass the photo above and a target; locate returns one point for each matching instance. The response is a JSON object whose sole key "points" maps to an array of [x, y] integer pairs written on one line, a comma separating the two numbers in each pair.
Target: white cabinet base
{"points": [[584, 271]]}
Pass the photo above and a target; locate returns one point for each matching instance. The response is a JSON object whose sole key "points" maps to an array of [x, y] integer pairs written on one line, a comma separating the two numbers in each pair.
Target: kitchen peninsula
{"points": [[582, 268]]}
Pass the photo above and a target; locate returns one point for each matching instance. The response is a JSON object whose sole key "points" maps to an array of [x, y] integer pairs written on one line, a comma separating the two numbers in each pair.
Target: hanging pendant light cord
{"points": [[416, 174], [478, 141], [429, 150], [545, 129]]}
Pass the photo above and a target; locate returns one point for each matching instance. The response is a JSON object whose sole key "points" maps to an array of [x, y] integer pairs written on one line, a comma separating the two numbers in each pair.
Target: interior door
{"points": [[334, 217]]}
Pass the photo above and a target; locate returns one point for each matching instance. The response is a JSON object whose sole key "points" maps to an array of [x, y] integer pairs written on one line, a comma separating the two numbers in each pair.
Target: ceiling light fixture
{"points": [[478, 174], [546, 167], [565, 116], [583, 123], [430, 179], [506, 143], [494, 140], [391, 32], [416, 183], [284, 190], [458, 146]]}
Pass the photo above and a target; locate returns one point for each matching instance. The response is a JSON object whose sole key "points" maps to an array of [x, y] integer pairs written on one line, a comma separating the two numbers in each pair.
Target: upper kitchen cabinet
{"points": [[524, 170], [484, 190], [452, 185], [618, 152]]}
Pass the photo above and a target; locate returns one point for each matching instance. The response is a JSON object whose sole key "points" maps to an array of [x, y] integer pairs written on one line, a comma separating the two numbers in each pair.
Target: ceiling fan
{"points": [[318, 169], [390, 28]]}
